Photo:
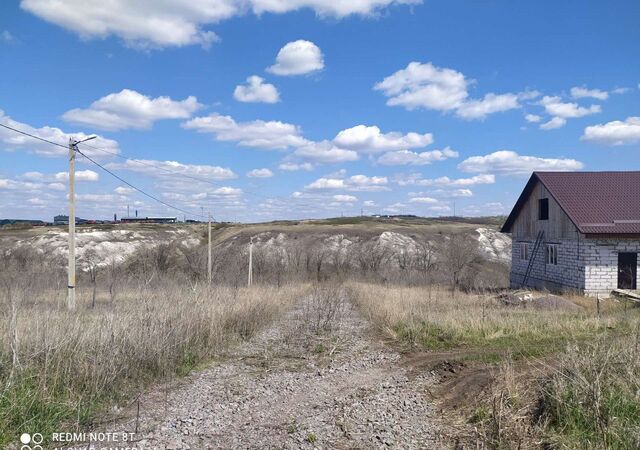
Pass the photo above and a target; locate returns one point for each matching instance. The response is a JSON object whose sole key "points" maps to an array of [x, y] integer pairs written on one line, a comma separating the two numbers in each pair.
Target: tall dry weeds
{"points": [[592, 400], [58, 366], [436, 320]]}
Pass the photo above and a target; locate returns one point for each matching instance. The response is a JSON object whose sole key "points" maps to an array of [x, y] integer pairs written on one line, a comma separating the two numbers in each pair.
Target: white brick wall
{"points": [[586, 265], [601, 263], [568, 274]]}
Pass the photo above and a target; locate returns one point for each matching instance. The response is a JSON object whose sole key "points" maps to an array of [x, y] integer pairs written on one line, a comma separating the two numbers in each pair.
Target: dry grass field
{"points": [[557, 373], [61, 367], [561, 375]]}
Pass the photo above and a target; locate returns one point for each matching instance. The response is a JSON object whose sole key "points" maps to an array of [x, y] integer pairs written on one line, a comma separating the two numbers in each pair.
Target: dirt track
{"points": [[294, 387]]}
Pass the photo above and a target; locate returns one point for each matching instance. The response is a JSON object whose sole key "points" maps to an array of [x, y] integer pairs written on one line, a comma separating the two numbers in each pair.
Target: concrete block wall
{"points": [[588, 265], [601, 263], [568, 274]]}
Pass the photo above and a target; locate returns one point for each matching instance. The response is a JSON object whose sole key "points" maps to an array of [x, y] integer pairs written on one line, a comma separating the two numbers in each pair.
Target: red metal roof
{"points": [[596, 202]]}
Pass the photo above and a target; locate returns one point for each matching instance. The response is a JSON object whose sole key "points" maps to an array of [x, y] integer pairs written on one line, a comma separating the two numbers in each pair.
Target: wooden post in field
{"points": [[209, 258], [71, 282], [598, 304], [250, 279]]}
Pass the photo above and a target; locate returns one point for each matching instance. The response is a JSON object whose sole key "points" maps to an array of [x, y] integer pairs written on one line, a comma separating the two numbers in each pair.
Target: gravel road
{"points": [[318, 378]]}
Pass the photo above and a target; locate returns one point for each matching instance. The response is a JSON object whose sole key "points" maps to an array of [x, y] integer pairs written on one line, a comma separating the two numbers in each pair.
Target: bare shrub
{"points": [[424, 261], [324, 307], [372, 257], [457, 256], [195, 261]]}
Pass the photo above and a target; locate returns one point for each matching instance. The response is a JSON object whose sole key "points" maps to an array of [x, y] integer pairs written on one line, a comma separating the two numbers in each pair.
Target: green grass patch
{"points": [[494, 340], [593, 400], [28, 407]]}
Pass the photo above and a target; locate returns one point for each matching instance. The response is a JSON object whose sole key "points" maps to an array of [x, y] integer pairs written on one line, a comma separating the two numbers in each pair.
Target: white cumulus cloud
{"points": [[560, 111], [170, 168], [556, 107], [406, 157], [298, 58], [227, 191], [130, 109], [175, 23], [14, 140], [425, 200], [455, 182], [423, 85], [256, 133], [81, 175], [511, 163], [583, 92], [353, 183], [369, 139], [289, 166], [260, 173], [146, 24], [325, 152], [256, 91], [490, 104], [617, 132], [342, 198], [553, 123]]}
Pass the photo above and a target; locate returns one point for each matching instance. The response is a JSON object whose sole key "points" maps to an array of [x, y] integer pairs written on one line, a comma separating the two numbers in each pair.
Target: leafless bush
{"points": [[324, 307], [372, 257], [457, 257], [195, 261]]}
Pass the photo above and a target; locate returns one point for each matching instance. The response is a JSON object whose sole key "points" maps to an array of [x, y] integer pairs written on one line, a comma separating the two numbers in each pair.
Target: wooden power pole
{"points": [[209, 258], [250, 280], [71, 282]]}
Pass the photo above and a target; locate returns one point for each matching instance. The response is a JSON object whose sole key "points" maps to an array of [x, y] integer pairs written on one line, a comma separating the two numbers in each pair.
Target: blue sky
{"points": [[312, 108]]}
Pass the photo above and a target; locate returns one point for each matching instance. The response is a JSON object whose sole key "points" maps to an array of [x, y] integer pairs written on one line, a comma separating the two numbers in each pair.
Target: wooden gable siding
{"points": [[527, 225]]}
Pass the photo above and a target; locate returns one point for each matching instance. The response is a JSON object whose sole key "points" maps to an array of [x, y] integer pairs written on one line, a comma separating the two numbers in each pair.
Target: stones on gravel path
{"points": [[277, 391]]}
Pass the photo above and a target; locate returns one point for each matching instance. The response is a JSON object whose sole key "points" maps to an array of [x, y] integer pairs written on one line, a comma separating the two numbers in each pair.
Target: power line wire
{"points": [[105, 169], [33, 136], [173, 172], [138, 189]]}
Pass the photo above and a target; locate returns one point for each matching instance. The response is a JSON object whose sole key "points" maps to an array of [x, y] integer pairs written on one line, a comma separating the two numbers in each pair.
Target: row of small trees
{"points": [[454, 261]]}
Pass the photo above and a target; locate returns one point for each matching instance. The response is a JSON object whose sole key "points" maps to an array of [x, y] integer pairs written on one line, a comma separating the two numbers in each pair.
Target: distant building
{"points": [[149, 220], [61, 220], [64, 220], [576, 231]]}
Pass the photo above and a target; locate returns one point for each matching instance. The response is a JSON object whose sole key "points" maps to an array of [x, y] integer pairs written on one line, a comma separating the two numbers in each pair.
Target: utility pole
{"points": [[71, 281], [209, 259], [250, 262]]}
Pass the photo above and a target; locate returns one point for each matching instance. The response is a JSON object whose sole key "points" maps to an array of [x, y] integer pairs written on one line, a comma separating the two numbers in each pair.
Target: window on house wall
{"points": [[543, 209], [524, 251], [552, 254]]}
